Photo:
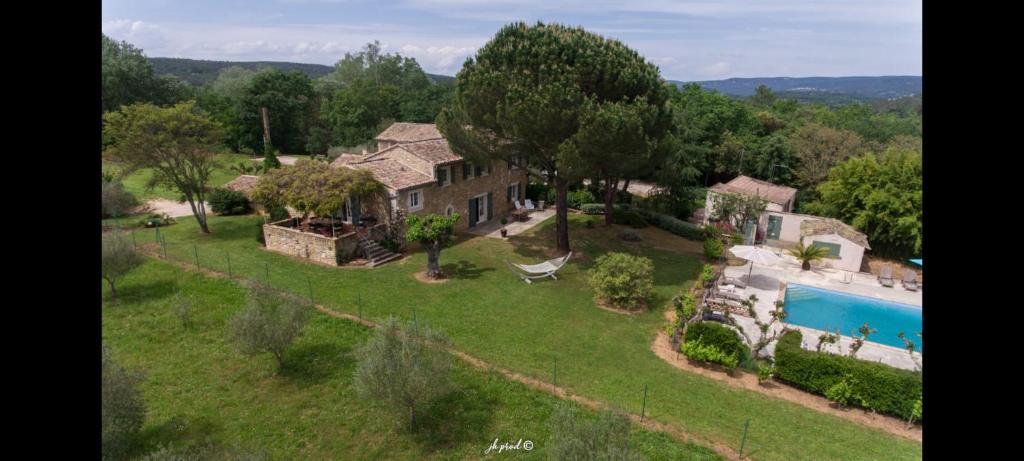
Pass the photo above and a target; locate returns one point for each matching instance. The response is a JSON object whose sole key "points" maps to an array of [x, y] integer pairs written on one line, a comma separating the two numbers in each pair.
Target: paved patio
{"points": [[766, 282], [492, 228]]}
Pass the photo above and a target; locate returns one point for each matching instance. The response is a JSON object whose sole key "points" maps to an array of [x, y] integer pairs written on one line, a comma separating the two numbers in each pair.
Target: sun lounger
{"points": [[885, 276], [516, 203], [536, 271], [909, 280], [732, 281], [529, 205]]}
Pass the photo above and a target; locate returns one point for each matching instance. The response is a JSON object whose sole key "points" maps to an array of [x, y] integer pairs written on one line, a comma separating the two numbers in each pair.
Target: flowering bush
{"points": [[623, 280]]}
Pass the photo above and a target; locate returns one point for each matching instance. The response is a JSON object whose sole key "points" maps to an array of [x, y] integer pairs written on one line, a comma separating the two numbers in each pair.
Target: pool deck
{"points": [[766, 282]]}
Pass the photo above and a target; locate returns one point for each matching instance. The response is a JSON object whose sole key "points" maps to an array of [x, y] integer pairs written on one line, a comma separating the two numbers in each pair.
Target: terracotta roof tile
{"points": [[749, 186], [389, 171], [826, 226], [243, 183], [410, 132]]}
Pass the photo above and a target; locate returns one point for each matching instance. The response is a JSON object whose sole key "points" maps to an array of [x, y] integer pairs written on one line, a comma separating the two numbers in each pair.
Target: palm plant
{"points": [[806, 254]]}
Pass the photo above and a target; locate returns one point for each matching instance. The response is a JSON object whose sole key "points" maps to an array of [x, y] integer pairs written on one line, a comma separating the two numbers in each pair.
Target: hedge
{"points": [[721, 337], [673, 225], [883, 388]]}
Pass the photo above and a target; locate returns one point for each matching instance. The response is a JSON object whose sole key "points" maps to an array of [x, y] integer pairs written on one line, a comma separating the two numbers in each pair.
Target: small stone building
{"points": [[423, 175]]}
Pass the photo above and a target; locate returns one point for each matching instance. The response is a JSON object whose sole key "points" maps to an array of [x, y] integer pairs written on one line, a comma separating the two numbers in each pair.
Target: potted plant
{"points": [[806, 254], [504, 232]]}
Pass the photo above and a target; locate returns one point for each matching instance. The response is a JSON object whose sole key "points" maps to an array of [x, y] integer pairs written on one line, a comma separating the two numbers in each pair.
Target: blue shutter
{"points": [[472, 212]]}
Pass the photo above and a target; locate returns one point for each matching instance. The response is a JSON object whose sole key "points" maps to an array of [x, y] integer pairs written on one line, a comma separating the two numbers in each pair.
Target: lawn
{"points": [[136, 182], [199, 389], [534, 329]]}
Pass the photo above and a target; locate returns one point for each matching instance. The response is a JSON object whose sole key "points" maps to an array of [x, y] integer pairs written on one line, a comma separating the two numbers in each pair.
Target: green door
{"points": [[774, 227], [748, 232]]}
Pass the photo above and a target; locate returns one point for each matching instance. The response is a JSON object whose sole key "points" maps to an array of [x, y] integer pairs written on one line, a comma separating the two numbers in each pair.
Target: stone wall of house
{"points": [[315, 247], [436, 199]]}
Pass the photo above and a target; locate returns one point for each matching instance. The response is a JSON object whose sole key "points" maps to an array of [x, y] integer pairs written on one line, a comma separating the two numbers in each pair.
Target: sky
{"points": [[687, 40]]}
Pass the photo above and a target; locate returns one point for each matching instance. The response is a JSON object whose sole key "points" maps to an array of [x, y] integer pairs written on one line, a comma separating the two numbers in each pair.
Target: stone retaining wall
{"points": [[315, 247]]}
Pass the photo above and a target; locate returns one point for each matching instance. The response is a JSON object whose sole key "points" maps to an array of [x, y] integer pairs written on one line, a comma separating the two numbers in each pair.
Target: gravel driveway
{"points": [[172, 208]]}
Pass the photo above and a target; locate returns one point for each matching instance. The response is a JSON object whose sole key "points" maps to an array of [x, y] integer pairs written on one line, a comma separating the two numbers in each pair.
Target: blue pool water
{"points": [[827, 310]]}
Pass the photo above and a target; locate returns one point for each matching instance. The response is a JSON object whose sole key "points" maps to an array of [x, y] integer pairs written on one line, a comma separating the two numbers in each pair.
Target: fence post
{"points": [[158, 231], [195, 251], [554, 372], [134, 246], [743, 442], [643, 408], [229, 263], [310, 285], [163, 243]]}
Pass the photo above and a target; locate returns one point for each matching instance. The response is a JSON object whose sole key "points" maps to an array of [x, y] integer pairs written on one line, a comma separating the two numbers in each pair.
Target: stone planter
{"points": [[504, 233], [540, 205]]}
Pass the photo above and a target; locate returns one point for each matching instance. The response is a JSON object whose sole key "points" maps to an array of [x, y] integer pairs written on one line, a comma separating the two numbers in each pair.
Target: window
{"points": [[444, 175], [833, 248], [415, 200], [478, 170]]}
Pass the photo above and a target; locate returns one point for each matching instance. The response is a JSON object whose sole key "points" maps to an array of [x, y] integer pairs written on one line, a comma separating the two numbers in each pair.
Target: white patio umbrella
{"points": [[754, 255]]}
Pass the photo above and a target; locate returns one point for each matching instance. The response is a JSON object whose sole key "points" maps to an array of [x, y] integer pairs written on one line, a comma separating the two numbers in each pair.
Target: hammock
{"points": [[536, 271]]}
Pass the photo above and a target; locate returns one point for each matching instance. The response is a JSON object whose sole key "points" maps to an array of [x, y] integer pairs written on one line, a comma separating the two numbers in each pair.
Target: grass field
{"points": [[534, 329], [136, 182], [200, 390]]}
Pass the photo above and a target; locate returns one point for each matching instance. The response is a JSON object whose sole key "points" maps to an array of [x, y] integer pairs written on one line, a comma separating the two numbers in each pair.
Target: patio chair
{"points": [[526, 272], [909, 280], [885, 276], [516, 203], [529, 205]]}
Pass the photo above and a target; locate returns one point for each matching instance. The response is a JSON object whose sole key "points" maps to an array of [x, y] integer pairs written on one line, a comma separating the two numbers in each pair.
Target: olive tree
{"points": [[403, 370], [122, 409], [434, 232], [118, 258], [178, 144], [576, 437], [522, 97], [270, 322]]}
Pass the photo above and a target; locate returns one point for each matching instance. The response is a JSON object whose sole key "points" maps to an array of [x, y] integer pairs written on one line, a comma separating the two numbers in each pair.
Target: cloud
{"points": [[716, 69]]}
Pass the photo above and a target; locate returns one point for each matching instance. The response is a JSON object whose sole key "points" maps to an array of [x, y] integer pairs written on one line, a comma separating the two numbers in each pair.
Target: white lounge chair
{"points": [[536, 271], [516, 203], [529, 205]]}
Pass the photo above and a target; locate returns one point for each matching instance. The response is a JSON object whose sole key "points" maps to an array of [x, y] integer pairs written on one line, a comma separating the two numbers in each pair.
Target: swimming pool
{"points": [[827, 310]]}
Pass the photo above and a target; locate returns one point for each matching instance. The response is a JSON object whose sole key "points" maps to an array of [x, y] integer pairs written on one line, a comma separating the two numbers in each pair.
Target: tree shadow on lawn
{"points": [[461, 416], [313, 363], [464, 270], [179, 431], [138, 292]]}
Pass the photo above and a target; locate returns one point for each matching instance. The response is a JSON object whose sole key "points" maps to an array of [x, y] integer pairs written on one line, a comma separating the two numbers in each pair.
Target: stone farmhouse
{"points": [[423, 175]]}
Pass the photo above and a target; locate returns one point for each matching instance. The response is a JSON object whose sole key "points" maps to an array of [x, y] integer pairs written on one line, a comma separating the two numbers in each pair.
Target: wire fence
{"points": [[247, 266]]}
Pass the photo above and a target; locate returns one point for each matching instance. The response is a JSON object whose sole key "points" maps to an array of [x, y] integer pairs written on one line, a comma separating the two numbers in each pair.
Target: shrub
{"points": [[878, 387], [721, 337], [115, 200], [671, 224], [592, 208], [623, 280], [270, 322], [765, 372], [278, 214], [630, 235], [270, 160], [713, 248], [403, 371], [698, 350], [707, 275], [156, 220], [118, 258], [576, 198], [686, 307], [628, 217], [575, 436], [122, 409], [229, 202], [841, 392]]}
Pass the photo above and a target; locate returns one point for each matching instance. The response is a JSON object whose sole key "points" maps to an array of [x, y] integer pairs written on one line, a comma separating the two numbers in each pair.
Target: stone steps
{"points": [[375, 253]]}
